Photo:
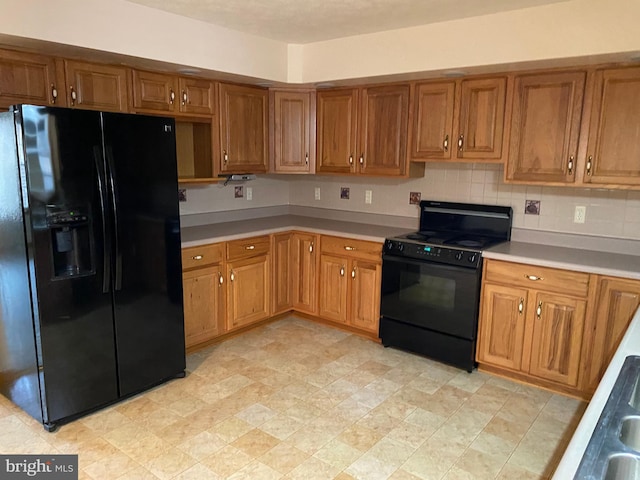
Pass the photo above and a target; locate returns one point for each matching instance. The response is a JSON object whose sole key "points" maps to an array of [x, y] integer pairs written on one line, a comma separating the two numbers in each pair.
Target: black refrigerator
{"points": [[90, 266]]}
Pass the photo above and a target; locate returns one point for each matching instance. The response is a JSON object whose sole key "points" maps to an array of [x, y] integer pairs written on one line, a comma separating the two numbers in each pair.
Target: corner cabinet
{"points": [[30, 78], [304, 272], [292, 131], [244, 129], [363, 131], [530, 329], [204, 293], [350, 282], [461, 121]]}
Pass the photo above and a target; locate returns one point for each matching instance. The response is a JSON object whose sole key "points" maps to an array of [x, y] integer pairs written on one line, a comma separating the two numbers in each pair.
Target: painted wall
{"points": [[610, 213]]}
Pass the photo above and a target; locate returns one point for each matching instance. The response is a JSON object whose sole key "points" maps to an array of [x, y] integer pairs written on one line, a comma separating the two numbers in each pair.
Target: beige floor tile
{"points": [[493, 444], [227, 461], [255, 443], [482, 465], [281, 426], [511, 472], [360, 438], [536, 453], [512, 432], [313, 469], [256, 470], [202, 445], [105, 421], [391, 452], [338, 454], [401, 474], [139, 473], [169, 464], [370, 467], [256, 414], [310, 439], [198, 472], [231, 429], [117, 462], [284, 458], [411, 435]]}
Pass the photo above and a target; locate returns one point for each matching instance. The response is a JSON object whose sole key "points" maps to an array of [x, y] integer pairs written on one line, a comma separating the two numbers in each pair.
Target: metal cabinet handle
{"points": [[172, 96], [445, 144], [342, 271], [349, 249], [249, 247], [460, 142], [232, 276], [311, 247], [306, 159], [184, 97], [539, 310], [74, 96], [362, 159], [521, 306], [197, 257], [589, 164], [54, 93], [220, 279], [350, 159], [225, 156], [533, 278], [570, 165], [353, 272]]}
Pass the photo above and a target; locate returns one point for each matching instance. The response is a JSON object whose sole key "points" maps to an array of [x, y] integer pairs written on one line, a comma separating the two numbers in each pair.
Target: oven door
{"points": [[430, 295]]}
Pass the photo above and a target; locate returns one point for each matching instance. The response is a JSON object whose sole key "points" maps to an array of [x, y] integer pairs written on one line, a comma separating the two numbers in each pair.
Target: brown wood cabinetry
{"points": [[292, 131], [30, 78], [532, 323], [243, 129], [459, 120], [96, 86], [350, 278], [204, 293], [363, 130], [282, 278], [304, 272], [249, 281], [616, 302]]}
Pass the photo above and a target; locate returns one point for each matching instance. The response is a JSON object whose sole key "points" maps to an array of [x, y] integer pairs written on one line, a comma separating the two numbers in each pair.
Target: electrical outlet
{"points": [[580, 214], [367, 196], [317, 193], [249, 193]]}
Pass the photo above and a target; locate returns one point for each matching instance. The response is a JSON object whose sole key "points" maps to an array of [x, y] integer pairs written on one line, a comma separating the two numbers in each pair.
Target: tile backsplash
{"points": [[609, 213]]}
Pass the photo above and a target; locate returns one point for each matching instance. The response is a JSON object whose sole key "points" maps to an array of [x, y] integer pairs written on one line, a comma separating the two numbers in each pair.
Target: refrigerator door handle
{"points": [[116, 219], [106, 266]]}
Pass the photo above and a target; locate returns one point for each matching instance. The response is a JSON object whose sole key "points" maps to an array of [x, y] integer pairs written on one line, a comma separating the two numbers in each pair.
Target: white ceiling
{"points": [[306, 21]]}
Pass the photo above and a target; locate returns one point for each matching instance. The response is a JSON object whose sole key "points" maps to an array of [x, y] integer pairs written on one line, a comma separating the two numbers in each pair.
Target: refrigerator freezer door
{"points": [[142, 177], [68, 253]]}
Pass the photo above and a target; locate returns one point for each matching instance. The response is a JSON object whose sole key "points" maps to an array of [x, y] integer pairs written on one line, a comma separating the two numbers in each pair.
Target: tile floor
{"points": [[298, 400]]}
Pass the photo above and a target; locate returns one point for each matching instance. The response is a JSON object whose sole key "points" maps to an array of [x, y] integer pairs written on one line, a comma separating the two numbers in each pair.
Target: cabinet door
{"points": [[333, 288], [617, 301], [282, 272], [305, 272], [432, 121], [545, 126], [384, 116], [243, 129], [28, 78], [337, 131], [197, 96], [248, 291], [502, 326], [154, 91], [203, 304], [481, 122], [366, 278], [613, 152], [293, 130], [556, 339], [96, 87]]}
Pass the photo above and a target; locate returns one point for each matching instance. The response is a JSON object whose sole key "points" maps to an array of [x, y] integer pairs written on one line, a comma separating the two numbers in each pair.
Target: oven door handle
{"points": [[423, 263]]}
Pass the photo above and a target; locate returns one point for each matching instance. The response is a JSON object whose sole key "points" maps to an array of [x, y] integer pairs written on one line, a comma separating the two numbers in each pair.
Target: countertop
{"points": [[579, 260], [630, 345], [220, 232]]}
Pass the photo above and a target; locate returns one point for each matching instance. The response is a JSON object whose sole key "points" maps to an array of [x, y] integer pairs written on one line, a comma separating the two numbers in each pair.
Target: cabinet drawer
{"points": [[194, 257], [248, 247], [351, 248], [563, 282]]}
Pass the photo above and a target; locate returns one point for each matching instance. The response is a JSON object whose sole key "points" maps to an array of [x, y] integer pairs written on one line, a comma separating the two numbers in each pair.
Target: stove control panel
{"points": [[431, 253]]}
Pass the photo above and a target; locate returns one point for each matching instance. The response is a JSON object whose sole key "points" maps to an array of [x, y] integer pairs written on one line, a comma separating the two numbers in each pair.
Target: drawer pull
{"points": [[311, 247], [521, 306], [350, 159], [220, 279], [197, 257], [250, 247], [342, 271], [172, 96], [533, 278], [539, 310], [349, 249], [54, 93], [570, 166], [460, 142], [589, 164], [232, 276], [353, 272], [445, 144]]}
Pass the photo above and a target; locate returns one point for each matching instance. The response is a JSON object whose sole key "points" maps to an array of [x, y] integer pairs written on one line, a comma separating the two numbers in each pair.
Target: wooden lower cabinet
{"points": [[534, 334], [203, 293], [350, 282], [282, 281], [304, 272]]}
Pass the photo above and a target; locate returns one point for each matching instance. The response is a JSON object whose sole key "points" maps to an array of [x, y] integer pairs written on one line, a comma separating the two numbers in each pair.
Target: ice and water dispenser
{"points": [[71, 241]]}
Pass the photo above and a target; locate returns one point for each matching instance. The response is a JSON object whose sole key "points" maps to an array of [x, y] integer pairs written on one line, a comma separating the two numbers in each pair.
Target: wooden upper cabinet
{"points": [[613, 152], [29, 78], [383, 130], [432, 121], [154, 91], [481, 120], [337, 131], [243, 129], [293, 131], [96, 87], [197, 96], [545, 127]]}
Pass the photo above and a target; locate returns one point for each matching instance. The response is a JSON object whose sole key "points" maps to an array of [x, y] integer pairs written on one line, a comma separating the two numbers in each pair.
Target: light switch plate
{"points": [[317, 193], [367, 196], [249, 193]]}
